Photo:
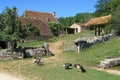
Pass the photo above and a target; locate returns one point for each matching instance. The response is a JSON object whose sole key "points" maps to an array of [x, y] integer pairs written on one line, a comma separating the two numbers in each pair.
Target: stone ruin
{"points": [[25, 52], [107, 63]]}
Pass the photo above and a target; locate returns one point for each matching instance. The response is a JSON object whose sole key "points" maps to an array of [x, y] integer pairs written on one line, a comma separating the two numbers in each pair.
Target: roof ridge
{"points": [[37, 12]]}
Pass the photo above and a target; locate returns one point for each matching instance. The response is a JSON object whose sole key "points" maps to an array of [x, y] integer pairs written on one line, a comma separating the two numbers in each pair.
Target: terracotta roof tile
{"points": [[43, 27], [47, 17]]}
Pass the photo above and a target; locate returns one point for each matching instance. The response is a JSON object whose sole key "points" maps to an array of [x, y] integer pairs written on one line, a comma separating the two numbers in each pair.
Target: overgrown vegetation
{"points": [[114, 22], [11, 29], [55, 28]]}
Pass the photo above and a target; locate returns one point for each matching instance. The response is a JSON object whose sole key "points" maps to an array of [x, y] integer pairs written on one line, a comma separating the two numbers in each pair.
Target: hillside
{"points": [[52, 66]]}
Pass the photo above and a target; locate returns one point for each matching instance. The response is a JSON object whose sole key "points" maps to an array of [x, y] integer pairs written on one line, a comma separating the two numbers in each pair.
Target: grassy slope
{"points": [[89, 57], [96, 53]]}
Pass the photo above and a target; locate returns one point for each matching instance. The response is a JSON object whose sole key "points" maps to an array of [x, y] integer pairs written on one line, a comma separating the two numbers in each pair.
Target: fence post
{"points": [[78, 49]]}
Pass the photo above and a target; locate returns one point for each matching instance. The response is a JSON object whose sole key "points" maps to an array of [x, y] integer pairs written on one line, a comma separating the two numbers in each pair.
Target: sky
{"points": [[63, 8]]}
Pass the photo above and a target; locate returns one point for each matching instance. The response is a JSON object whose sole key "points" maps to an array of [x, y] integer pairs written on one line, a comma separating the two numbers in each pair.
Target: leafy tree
{"points": [[106, 7], [10, 27], [102, 8], [66, 21], [114, 23], [29, 28], [55, 28], [114, 4], [82, 17]]}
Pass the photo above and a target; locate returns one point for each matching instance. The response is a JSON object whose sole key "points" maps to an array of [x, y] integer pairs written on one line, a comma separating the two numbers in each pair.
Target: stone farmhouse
{"points": [[40, 20]]}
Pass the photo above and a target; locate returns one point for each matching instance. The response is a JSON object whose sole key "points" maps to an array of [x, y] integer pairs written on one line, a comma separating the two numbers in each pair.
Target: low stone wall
{"points": [[106, 63]]}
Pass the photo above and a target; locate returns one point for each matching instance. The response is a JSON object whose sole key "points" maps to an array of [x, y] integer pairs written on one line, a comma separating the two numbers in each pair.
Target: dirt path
{"points": [[115, 72], [4, 76], [55, 49]]}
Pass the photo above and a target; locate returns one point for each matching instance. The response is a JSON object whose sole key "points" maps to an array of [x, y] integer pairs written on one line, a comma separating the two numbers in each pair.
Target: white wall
{"points": [[76, 26]]}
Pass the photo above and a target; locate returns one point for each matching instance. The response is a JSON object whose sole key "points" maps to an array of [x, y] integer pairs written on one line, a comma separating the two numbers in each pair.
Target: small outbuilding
{"points": [[78, 27], [98, 23]]}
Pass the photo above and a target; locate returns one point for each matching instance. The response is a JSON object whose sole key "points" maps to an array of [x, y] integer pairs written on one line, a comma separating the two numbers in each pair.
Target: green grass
{"points": [[93, 55], [47, 72], [90, 57], [31, 43], [59, 73], [35, 43], [72, 37]]}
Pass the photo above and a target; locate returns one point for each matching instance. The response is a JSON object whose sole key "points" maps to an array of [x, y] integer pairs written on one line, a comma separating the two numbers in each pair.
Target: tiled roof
{"points": [[42, 26], [47, 17]]}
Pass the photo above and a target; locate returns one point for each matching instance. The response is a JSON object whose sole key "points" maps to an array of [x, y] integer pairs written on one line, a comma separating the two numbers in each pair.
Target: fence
{"points": [[69, 46]]}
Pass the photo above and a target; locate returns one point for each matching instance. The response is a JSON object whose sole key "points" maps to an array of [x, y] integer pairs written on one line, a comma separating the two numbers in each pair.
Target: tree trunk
{"points": [[9, 45], [12, 45]]}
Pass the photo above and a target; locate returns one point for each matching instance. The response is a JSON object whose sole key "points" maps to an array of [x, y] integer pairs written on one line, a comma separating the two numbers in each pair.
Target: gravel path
{"points": [[4, 76]]}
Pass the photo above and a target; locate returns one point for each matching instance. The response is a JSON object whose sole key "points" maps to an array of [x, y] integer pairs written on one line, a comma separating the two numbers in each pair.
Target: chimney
{"points": [[54, 14]]}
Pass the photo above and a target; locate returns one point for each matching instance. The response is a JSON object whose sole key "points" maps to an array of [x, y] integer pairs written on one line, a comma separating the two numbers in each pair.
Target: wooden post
{"points": [[99, 31], [100, 28], [66, 31], [95, 30], [75, 31], [78, 48]]}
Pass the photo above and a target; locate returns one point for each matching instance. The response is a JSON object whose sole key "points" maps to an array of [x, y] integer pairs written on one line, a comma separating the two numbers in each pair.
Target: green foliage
{"points": [[55, 28], [29, 28], [10, 25], [66, 21], [80, 17], [106, 7], [114, 23], [102, 8]]}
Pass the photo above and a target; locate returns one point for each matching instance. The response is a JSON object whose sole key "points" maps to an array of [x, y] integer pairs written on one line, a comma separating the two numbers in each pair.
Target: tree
{"points": [[66, 21], [29, 28], [102, 8], [55, 28], [11, 29], [106, 7], [82, 17], [114, 23]]}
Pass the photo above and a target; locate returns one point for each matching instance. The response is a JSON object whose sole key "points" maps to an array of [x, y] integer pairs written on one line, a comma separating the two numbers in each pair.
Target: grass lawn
{"points": [[54, 71]]}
